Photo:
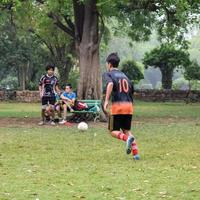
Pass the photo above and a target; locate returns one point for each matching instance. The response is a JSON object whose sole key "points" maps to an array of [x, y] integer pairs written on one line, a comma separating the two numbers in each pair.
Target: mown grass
{"points": [[61, 163], [142, 109], [19, 109]]}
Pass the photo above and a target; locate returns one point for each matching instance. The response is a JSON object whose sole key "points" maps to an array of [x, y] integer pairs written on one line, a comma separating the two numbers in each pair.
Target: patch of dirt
{"points": [[33, 122], [18, 122]]}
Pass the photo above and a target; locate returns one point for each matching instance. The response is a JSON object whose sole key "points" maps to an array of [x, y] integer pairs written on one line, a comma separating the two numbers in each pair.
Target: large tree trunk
{"points": [[90, 79], [88, 50], [167, 78]]}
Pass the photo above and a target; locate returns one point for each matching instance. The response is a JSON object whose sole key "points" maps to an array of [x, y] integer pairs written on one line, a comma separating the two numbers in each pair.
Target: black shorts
{"points": [[48, 100], [117, 122]]}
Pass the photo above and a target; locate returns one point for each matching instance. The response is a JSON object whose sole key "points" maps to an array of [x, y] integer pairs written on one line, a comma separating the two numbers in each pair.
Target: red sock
{"points": [[134, 148], [121, 136]]}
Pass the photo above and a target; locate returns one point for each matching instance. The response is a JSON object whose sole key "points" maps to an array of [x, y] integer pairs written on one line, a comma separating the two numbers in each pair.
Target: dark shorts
{"points": [[48, 100], [118, 122]]}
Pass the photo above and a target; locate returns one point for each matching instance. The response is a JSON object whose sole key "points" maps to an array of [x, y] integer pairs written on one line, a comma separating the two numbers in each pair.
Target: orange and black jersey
{"points": [[122, 93]]}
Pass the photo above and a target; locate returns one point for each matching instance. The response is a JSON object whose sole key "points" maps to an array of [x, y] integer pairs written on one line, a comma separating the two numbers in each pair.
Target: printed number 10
{"points": [[123, 85]]}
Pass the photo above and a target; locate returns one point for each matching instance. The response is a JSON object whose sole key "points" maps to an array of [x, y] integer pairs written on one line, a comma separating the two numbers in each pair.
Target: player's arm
{"points": [[109, 89], [41, 84], [64, 98], [57, 89], [73, 98], [40, 90]]}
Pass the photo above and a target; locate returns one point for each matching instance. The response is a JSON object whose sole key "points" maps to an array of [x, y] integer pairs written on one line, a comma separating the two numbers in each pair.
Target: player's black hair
{"points": [[50, 66], [114, 59], [69, 85]]}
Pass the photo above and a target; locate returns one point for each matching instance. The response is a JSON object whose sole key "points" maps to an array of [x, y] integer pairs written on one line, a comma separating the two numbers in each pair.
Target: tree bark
{"points": [[86, 36], [166, 78], [88, 50]]}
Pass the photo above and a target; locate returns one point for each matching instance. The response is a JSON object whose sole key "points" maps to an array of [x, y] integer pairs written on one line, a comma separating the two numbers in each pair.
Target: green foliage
{"points": [[136, 18], [171, 19], [9, 82], [180, 83], [132, 70], [74, 78], [167, 58], [195, 85], [192, 71]]}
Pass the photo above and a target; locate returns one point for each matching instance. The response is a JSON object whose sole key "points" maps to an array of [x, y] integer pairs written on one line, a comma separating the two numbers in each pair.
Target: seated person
{"points": [[68, 98], [58, 107]]}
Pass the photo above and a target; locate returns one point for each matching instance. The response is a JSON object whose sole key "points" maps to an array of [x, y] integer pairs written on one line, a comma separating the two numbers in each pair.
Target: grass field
{"points": [[61, 163]]}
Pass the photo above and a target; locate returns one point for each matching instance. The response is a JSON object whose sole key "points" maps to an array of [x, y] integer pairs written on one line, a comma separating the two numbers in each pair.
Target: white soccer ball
{"points": [[82, 126]]}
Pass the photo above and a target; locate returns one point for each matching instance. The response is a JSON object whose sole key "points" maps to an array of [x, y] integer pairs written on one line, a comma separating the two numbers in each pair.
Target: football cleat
{"points": [[129, 144]]}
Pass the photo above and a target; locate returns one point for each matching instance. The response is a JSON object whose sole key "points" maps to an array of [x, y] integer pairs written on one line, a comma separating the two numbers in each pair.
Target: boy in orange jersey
{"points": [[120, 89]]}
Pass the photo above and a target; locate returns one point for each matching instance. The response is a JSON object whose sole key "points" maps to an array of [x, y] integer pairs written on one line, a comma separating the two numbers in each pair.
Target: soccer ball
{"points": [[82, 126]]}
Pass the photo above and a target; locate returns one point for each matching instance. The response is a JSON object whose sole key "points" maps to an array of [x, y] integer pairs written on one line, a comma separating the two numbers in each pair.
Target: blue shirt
{"points": [[71, 95]]}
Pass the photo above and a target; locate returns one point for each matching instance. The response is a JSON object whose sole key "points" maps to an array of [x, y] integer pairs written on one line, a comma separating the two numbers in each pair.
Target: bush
{"points": [[132, 70], [10, 82], [195, 85], [74, 78], [180, 84]]}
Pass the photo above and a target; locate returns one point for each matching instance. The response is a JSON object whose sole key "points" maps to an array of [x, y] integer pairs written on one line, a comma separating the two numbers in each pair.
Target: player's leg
{"points": [[114, 128], [43, 109], [52, 101], [135, 151], [131, 143], [64, 114], [129, 140], [57, 112], [69, 107], [48, 114], [125, 121]]}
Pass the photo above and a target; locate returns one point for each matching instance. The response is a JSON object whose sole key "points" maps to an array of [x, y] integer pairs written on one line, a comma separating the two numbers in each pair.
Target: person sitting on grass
{"points": [[68, 98]]}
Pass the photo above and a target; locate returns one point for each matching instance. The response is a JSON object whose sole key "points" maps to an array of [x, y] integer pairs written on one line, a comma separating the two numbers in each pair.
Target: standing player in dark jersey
{"points": [[48, 85], [120, 89]]}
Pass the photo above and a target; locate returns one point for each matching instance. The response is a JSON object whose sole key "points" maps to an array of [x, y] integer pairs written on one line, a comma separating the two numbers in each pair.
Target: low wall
{"points": [[167, 95], [144, 95], [20, 96], [28, 96]]}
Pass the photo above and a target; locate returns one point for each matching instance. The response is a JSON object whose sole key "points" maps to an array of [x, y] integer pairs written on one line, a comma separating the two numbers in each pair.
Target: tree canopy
{"points": [[132, 71], [192, 72], [84, 22], [166, 58]]}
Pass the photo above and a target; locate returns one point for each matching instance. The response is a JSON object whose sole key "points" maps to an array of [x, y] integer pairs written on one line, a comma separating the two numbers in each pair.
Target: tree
{"points": [[192, 72], [21, 54], [166, 58], [132, 70], [82, 20]]}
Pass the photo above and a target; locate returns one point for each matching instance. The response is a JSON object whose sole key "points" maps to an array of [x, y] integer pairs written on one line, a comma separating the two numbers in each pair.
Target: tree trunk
{"points": [[22, 77], [90, 83], [64, 69], [167, 78]]}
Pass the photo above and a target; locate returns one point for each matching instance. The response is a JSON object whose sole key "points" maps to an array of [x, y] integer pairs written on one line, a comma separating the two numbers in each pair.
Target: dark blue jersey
{"points": [[48, 84], [122, 93]]}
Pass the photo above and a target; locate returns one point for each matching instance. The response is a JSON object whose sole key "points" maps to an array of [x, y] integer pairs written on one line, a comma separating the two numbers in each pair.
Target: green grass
{"points": [[161, 110], [60, 163], [19, 109]]}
